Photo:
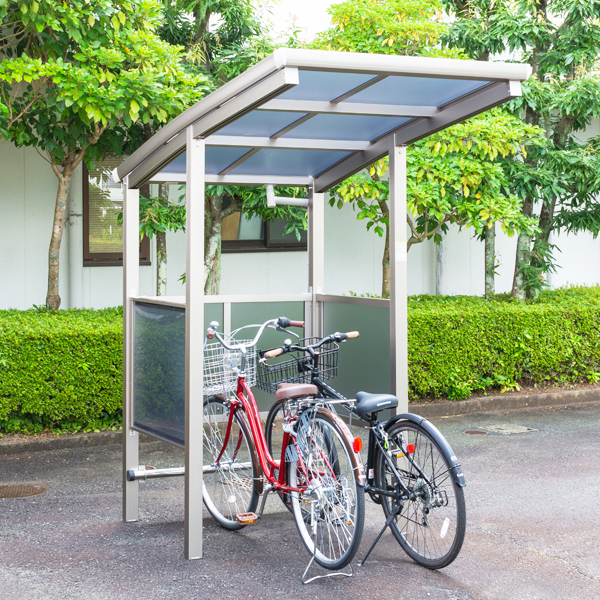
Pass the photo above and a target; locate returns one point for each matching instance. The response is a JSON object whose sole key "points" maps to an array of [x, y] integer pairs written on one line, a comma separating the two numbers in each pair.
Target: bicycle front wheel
{"points": [[330, 514], [431, 523], [229, 485]]}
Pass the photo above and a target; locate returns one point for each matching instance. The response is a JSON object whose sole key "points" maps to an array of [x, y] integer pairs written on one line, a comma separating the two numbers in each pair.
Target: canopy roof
{"points": [[312, 117]]}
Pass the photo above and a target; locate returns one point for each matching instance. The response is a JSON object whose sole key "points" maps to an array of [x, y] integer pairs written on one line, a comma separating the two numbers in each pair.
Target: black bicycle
{"points": [[411, 469]]}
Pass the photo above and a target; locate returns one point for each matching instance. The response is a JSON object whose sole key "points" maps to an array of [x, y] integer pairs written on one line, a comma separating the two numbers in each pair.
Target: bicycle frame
{"points": [[244, 400]]}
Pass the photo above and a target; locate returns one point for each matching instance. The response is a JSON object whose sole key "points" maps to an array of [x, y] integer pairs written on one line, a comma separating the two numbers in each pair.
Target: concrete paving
{"points": [[533, 527]]}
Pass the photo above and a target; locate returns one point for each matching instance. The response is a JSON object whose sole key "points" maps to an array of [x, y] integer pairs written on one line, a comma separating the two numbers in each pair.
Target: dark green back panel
{"points": [[364, 363], [248, 313]]}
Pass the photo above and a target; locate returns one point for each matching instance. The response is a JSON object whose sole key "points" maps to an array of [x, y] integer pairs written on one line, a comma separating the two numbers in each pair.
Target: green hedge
{"points": [[462, 344], [60, 370], [63, 370]]}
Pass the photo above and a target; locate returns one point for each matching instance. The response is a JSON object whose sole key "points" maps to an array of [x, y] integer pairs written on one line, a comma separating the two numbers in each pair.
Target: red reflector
{"points": [[357, 444], [410, 448]]}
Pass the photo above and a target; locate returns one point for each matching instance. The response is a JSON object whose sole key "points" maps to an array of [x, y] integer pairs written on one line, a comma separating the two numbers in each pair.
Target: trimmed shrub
{"points": [[60, 370], [458, 345], [63, 370]]}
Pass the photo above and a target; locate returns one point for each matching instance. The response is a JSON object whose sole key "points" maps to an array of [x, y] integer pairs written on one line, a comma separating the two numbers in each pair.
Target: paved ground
{"points": [[532, 507]]}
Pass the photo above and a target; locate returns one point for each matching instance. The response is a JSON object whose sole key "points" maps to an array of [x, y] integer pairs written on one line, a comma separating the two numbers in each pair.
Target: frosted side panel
{"points": [[364, 363], [159, 368], [248, 313]]}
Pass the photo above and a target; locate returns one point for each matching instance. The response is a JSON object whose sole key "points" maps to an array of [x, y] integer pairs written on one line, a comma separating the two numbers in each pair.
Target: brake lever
{"points": [[282, 330]]}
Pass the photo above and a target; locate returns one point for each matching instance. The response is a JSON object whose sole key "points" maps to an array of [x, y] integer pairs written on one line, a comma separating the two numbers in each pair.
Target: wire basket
{"points": [[222, 366], [291, 371]]}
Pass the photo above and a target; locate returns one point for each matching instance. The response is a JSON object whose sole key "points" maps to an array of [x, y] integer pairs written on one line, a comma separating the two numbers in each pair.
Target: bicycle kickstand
{"points": [[388, 522]]}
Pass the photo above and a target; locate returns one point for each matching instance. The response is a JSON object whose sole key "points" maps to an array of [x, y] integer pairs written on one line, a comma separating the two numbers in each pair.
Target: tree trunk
{"points": [[490, 261], [385, 283], [52, 296], [522, 255], [212, 259], [161, 263], [161, 247]]}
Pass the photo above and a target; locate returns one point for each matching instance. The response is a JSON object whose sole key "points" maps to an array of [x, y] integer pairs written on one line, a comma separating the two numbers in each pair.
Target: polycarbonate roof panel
{"points": [[363, 128], [416, 91], [217, 159], [295, 163], [242, 121], [322, 85], [260, 123]]}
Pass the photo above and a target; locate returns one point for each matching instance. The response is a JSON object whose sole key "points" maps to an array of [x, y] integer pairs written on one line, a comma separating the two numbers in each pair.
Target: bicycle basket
{"points": [[221, 367], [290, 371]]}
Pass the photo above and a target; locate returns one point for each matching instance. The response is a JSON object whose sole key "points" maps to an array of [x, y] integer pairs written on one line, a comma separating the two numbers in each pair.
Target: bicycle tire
{"points": [[228, 492], [431, 527], [333, 510]]}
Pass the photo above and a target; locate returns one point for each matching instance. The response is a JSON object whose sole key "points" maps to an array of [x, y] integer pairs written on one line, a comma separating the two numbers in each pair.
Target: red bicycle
{"points": [[318, 466]]}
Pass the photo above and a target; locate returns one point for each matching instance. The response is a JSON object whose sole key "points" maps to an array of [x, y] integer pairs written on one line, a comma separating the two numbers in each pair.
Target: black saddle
{"points": [[369, 403]]}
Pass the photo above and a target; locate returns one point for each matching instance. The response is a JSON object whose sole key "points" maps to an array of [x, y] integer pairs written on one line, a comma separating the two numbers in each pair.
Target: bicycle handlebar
{"points": [[282, 322], [334, 337]]}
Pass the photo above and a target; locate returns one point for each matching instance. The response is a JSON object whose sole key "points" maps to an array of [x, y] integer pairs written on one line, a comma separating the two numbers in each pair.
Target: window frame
{"points": [[266, 244], [106, 259]]}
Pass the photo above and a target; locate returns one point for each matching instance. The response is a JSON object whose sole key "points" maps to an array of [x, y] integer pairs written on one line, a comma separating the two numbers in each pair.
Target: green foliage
{"points": [[410, 27], [73, 69], [458, 345], [560, 39], [454, 176], [60, 370]]}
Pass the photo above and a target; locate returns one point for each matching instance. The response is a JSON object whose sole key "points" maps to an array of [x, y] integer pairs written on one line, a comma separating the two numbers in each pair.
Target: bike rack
{"points": [[441, 92]]}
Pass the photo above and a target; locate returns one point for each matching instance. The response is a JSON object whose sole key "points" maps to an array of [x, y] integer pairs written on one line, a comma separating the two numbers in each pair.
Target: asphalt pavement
{"points": [[533, 526]]}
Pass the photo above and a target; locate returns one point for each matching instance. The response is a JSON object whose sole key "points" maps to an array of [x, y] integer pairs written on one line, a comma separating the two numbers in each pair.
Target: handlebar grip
{"points": [[272, 353], [352, 334], [296, 323], [210, 333]]}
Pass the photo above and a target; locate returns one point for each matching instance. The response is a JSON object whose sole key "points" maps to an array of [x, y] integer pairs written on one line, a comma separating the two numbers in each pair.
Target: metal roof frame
{"points": [[259, 89]]}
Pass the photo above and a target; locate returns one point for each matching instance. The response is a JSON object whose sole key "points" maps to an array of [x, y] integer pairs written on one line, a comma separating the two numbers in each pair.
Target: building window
{"points": [[102, 202], [255, 235]]}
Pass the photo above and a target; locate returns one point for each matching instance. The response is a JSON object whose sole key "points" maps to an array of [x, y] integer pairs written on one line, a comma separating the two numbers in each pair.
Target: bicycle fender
{"points": [[357, 464], [435, 433]]}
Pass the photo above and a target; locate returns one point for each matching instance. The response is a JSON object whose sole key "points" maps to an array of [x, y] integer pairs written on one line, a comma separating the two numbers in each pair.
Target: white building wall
{"points": [[352, 254]]}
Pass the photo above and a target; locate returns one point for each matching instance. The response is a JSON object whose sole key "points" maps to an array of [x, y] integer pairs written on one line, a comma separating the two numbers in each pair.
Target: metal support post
{"points": [[194, 338], [131, 288], [316, 259], [398, 276]]}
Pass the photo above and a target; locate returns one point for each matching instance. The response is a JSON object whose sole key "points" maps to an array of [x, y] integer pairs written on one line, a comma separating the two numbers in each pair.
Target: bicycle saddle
{"points": [[369, 403]]}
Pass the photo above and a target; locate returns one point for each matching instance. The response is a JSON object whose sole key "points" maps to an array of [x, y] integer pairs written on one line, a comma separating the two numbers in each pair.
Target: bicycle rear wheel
{"points": [[330, 514], [229, 486], [431, 526], [274, 437]]}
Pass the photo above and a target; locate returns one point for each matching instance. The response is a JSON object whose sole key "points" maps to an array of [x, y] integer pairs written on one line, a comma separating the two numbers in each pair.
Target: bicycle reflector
{"points": [[410, 448], [357, 444]]}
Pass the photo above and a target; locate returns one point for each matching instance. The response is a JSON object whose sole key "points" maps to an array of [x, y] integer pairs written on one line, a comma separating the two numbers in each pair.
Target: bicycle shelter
{"points": [[298, 118]]}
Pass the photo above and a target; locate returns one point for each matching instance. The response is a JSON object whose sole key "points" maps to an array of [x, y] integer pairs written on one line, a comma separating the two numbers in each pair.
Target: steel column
{"points": [[398, 276], [194, 337], [131, 285], [316, 259]]}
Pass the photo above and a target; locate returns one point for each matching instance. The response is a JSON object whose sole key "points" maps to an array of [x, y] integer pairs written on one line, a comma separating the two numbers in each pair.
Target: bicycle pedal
{"points": [[246, 518]]}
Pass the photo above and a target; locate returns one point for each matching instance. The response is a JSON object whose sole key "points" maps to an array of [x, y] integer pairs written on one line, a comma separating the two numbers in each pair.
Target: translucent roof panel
{"points": [[296, 163], [364, 128], [217, 159], [416, 91], [322, 85], [313, 117], [260, 123]]}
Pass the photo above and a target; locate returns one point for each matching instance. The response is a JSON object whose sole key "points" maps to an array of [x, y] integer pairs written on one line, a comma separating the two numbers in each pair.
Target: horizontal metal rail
{"points": [[143, 474], [179, 301]]}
